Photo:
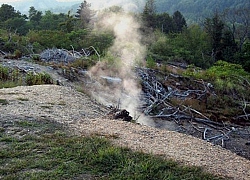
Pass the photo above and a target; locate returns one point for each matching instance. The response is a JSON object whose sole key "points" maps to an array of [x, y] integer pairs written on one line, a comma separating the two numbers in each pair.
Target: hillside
{"points": [[195, 10]]}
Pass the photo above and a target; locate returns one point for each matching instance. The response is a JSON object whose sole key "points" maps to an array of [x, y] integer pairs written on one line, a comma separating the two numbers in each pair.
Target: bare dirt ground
{"points": [[86, 116]]}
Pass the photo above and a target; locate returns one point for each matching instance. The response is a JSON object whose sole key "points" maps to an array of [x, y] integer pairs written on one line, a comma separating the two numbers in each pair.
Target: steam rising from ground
{"points": [[127, 51]]}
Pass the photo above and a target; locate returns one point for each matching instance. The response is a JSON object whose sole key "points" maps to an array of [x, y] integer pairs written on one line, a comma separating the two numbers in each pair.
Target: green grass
{"points": [[9, 84], [48, 152]]}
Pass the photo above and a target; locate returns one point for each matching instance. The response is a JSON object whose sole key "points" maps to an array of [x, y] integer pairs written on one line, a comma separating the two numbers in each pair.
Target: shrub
{"points": [[17, 54], [38, 79], [4, 73], [151, 62]]}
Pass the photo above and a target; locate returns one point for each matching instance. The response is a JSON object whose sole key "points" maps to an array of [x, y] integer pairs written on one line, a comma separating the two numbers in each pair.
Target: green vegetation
{"points": [[12, 78], [48, 152], [231, 84], [220, 36], [9, 77], [38, 79]]}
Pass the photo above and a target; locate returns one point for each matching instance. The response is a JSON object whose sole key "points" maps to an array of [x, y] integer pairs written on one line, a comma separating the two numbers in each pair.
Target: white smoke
{"points": [[127, 51]]}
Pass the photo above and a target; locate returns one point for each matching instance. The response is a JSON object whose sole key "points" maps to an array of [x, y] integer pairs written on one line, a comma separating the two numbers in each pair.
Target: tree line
{"points": [[223, 36]]}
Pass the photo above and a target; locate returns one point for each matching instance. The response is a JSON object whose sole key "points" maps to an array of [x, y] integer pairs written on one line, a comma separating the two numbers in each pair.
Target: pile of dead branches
{"points": [[157, 98], [59, 56], [65, 56]]}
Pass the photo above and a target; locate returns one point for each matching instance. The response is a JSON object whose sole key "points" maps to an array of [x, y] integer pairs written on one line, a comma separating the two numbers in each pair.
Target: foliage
{"points": [[84, 14], [224, 70], [165, 23], [150, 62], [179, 22], [68, 25], [4, 73], [9, 77], [59, 155], [161, 48], [190, 45], [51, 21], [8, 12], [172, 40], [230, 81], [162, 21], [35, 17], [83, 63], [149, 12], [231, 84], [78, 39], [38, 79], [214, 27], [49, 39]]}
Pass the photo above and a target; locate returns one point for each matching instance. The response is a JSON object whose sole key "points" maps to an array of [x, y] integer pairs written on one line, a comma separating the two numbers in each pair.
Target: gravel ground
{"points": [[84, 116]]}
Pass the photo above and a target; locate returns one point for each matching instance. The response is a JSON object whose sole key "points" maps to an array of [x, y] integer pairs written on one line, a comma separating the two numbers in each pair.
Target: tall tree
{"points": [[229, 46], [214, 27], [164, 22], [8, 12], [68, 24], [17, 24], [51, 21], [35, 16], [149, 13], [84, 14], [179, 21]]}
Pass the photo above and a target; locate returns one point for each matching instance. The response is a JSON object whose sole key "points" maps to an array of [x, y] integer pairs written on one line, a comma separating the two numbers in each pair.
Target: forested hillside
{"points": [[195, 10]]}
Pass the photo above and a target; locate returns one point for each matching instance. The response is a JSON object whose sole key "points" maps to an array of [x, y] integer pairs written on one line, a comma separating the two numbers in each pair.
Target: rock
{"points": [[123, 114]]}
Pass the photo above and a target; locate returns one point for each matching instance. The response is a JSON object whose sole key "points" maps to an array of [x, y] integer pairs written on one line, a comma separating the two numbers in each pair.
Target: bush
{"points": [[151, 62], [17, 54], [4, 73], [38, 79]]}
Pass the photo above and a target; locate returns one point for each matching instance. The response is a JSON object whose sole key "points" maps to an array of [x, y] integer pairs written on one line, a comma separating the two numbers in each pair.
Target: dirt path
{"points": [[84, 116]]}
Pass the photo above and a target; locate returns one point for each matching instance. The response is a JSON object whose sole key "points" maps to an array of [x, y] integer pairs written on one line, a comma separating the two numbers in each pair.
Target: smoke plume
{"points": [[127, 52]]}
